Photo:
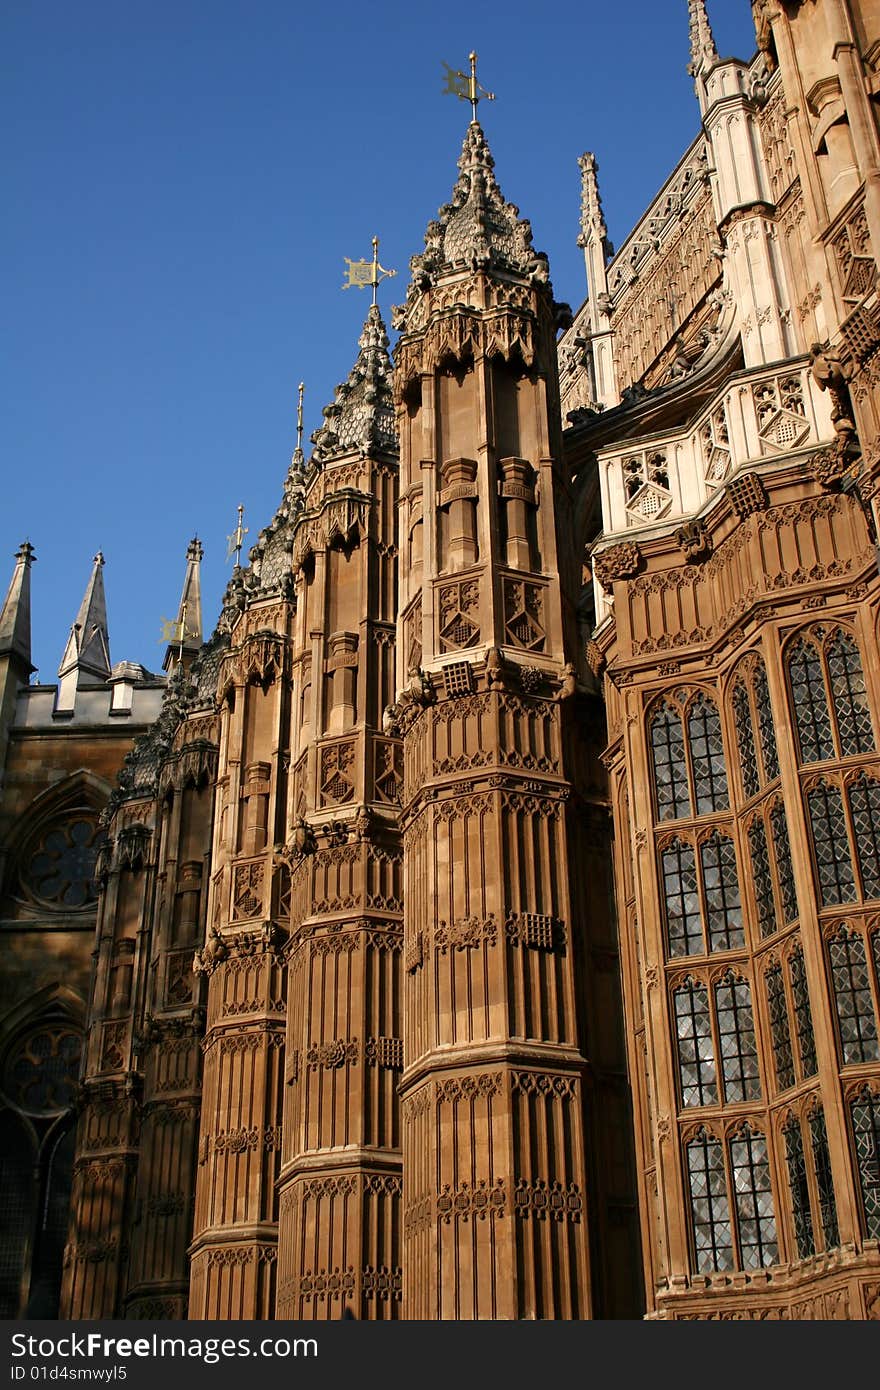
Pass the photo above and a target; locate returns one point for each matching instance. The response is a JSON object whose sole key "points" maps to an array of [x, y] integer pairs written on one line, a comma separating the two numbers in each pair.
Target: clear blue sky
{"points": [[182, 181]]}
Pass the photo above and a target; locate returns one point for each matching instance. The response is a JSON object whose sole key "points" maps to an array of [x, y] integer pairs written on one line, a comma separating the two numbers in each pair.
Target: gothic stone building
{"points": [[488, 923]]}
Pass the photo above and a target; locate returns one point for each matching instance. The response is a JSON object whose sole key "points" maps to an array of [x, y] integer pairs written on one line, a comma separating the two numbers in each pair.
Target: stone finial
{"points": [[703, 50], [15, 616], [361, 416], [188, 627], [593, 227], [87, 652]]}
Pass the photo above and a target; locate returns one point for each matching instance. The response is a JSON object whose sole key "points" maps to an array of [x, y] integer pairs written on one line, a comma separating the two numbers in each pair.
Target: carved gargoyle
{"points": [[303, 841], [829, 375]]}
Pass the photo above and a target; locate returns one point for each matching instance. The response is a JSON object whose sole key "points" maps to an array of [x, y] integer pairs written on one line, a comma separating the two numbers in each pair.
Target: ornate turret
{"points": [[361, 416], [86, 659], [186, 634], [703, 50]]}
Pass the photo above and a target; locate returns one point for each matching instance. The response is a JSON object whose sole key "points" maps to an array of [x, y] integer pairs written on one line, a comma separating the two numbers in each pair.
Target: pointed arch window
{"points": [[824, 1180], [829, 696], [857, 1025], [749, 1240], [755, 1215], [799, 1189], [762, 878], [736, 1039], [865, 1114], [802, 1015], [782, 853], [772, 876], [710, 1208], [834, 869], [780, 1033], [863, 797], [687, 750], [701, 906], [696, 1048], [753, 721]]}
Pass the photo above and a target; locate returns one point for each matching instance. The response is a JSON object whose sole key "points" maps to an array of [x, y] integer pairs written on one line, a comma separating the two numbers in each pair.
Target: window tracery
{"points": [[704, 907], [646, 486], [715, 1170], [834, 869], [690, 774], [829, 696], [865, 1115], [824, 1180], [753, 723], [780, 1033], [798, 1187], [802, 1014], [730, 1037], [851, 985]]}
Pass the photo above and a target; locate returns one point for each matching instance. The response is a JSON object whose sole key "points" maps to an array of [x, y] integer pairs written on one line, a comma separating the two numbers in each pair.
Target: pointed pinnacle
{"points": [[703, 50]]}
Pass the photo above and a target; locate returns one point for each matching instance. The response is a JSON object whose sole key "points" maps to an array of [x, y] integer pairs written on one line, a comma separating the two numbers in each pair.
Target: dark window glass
{"points": [[831, 845], [707, 756], [755, 1218], [824, 1180], [766, 726], [696, 1054], [670, 769], [762, 878], [783, 1059], [745, 740], [802, 1015], [736, 1039], [721, 886], [782, 851], [799, 1190], [852, 995], [17, 1221], [710, 1208], [866, 1131], [810, 703], [684, 929], [864, 805], [849, 696]]}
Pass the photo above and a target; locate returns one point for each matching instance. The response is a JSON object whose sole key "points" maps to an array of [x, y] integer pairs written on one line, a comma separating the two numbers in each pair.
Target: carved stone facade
{"points": [[488, 926]]}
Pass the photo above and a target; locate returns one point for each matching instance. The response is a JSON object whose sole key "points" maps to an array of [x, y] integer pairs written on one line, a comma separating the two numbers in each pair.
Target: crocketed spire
{"points": [[477, 228], [361, 416], [703, 50]]}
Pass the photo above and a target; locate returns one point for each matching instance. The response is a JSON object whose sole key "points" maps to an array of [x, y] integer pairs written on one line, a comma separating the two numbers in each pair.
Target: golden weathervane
{"points": [[465, 86], [236, 540], [364, 274]]}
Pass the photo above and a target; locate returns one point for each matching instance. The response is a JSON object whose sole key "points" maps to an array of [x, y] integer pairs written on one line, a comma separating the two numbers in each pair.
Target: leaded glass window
{"points": [[710, 1208], [736, 1040], [745, 740], [762, 878], [802, 1015], [849, 696], [783, 1059], [707, 756], [852, 995], [670, 769], [782, 851], [866, 1132], [755, 1217], [766, 727], [684, 930], [810, 703], [864, 806], [824, 1180], [696, 1051], [799, 1189], [721, 888], [831, 845]]}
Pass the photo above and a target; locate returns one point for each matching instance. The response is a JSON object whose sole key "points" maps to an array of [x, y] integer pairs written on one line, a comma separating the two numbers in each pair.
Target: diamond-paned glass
{"points": [[864, 805], [736, 1040], [710, 1207], [824, 1180], [762, 878], [834, 868], [707, 756], [799, 1190], [810, 703], [782, 851], [745, 740], [852, 995], [670, 768], [755, 1217], [802, 1016], [696, 1052], [783, 1059], [721, 888], [849, 696], [684, 927], [866, 1131], [766, 727]]}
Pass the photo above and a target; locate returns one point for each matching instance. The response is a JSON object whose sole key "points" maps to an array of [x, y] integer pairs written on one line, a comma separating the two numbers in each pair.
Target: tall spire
{"points": [[15, 617], [186, 635], [703, 50], [361, 416], [88, 647]]}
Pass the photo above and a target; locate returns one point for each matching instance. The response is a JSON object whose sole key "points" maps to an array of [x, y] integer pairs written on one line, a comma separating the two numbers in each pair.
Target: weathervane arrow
{"points": [[465, 85]]}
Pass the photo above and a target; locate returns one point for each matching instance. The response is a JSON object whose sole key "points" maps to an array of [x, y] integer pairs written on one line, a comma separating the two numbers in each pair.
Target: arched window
{"points": [[704, 907], [780, 1033], [684, 927], [775, 897], [863, 796], [755, 1216], [753, 721], [865, 1114], [782, 852], [762, 879], [750, 1240], [736, 1039], [824, 1180], [798, 1187], [831, 845], [857, 1026], [721, 893], [802, 1016], [829, 697], [690, 775], [696, 1049], [710, 1209]]}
